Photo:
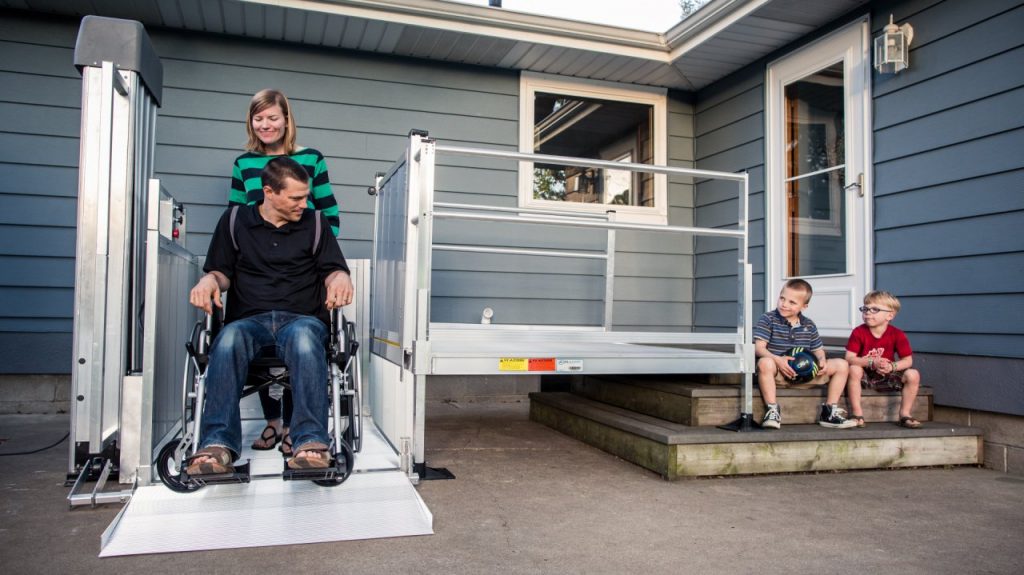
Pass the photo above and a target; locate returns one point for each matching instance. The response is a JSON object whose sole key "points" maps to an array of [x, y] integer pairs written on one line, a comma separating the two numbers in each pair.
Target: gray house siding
{"points": [[729, 136], [39, 111], [949, 194], [355, 108], [948, 190], [948, 135]]}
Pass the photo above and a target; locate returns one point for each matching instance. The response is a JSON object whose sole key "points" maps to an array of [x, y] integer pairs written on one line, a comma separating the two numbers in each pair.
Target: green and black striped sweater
{"points": [[246, 187]]}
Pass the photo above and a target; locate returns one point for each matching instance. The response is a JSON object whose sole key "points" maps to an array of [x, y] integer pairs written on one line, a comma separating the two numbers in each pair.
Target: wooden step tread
{"points": [[692, 389], [668, 433]]}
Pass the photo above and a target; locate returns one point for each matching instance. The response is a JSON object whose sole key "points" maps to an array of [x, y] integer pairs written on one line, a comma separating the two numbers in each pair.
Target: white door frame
{"points": [[849, 44]]}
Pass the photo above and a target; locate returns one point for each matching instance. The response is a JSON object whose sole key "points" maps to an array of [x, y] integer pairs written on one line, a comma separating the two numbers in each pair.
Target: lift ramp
{"points": [[377, 501]]}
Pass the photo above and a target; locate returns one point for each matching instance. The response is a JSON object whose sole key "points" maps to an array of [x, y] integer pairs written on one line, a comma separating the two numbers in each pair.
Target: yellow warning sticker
{"points": [[513, 364]]}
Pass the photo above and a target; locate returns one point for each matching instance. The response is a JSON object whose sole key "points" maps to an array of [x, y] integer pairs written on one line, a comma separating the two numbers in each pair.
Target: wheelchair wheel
{"points": [[168, 467], [349, 455]]}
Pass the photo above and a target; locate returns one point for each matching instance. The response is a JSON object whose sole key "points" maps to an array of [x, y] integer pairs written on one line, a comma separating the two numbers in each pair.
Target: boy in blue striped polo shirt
{"points": [[782, 329]]}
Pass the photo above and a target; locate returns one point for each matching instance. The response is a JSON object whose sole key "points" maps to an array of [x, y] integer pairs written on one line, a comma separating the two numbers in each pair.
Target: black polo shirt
{"points": [[274, 269]]}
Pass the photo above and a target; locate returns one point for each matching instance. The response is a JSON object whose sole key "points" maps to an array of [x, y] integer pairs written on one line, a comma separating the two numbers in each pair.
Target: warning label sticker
{"points": [[526, 364], [569, 365], [542, 364], [512, 364]]}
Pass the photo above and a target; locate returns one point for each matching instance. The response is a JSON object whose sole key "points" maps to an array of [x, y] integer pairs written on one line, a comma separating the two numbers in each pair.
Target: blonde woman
{"points": [[270, 125]]}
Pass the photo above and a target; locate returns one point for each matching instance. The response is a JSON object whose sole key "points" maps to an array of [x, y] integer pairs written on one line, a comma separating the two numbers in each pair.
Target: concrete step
{"points": [[703, 404], [675, 450]]}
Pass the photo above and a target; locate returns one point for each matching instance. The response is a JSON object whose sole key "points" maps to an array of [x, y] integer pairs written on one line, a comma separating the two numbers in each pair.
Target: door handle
{"points": [[858, 185]]}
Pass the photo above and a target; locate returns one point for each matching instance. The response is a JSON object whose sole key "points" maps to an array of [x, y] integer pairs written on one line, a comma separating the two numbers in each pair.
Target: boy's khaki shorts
{"points": [[781, 381]]}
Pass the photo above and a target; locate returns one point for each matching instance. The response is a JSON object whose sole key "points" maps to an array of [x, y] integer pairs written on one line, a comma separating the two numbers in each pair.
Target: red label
{"points": [[542, 364]]}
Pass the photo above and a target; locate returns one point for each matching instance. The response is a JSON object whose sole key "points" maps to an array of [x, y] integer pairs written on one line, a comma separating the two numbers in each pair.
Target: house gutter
{"points": [[543, 30], [706, 23]]}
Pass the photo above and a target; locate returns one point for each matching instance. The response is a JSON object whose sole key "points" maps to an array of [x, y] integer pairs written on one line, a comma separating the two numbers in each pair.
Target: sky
{"points": [[650, 15]]}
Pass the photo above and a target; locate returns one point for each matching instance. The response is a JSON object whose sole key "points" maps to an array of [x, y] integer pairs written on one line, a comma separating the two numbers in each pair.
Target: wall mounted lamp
{"points": [[892, 48]]}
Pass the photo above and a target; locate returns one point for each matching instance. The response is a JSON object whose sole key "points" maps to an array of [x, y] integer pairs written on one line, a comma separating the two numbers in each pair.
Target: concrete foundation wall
{"points": [[1004, 436], [481, 388], [34, 393], [993, 384]]}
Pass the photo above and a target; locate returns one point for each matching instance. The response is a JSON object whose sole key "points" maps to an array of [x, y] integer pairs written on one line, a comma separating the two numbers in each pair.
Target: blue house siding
{"points": [[949, 178], [729, 136], [948, 135], [355, 108], [39, 129], [948, 191]]}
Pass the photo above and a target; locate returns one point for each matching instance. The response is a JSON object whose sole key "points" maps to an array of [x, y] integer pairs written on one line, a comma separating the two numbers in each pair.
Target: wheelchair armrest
{"points": [[204, 332], [343, 337]]}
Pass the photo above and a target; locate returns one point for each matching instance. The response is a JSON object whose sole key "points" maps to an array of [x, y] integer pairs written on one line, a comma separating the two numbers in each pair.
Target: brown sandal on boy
{"points": [[909, 422], [859, 419]]}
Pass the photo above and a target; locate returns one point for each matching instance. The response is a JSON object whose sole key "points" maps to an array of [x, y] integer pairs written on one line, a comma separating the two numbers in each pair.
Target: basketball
{"points": [[803, 363]]}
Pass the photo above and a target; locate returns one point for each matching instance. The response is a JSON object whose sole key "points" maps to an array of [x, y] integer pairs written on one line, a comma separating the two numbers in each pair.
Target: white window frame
{"points": [[532, 82]]}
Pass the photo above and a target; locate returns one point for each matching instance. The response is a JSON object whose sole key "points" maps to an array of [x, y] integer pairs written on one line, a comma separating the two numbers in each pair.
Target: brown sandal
{"points": [[268, 439], [859, 419], [286, 445], [222, 461], [311, 456], [909, 422]]}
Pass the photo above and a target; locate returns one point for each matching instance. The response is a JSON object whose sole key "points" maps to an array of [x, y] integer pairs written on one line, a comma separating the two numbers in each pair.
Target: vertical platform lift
{"points": [[132, 318]]}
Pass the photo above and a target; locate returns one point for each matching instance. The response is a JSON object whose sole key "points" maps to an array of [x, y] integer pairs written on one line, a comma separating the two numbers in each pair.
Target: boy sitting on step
{"points": [[782, 329], [872, 353]]}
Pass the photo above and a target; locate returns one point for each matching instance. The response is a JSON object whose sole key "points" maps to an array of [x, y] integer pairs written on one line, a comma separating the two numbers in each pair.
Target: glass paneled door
{"points": [[817, 225], [815, 125]]}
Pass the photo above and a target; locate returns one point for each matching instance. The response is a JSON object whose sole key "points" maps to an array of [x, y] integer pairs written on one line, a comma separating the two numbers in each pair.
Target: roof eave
{"points": [[705, 23], [499, 23]]}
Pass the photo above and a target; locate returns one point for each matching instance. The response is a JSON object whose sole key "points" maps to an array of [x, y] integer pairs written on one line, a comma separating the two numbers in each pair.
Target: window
{"points": [[815, 167], [564, 117]]}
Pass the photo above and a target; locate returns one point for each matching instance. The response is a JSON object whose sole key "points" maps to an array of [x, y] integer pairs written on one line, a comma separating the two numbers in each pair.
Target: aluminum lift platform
{"points": [[376, 501], [461, 349]]}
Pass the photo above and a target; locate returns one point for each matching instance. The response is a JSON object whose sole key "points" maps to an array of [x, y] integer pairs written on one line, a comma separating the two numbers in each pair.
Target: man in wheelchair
{"points": [[283, 284]]}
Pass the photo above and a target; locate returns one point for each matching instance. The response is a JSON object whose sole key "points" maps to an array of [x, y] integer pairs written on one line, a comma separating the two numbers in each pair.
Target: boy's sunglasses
{"points": [[871, 310]]}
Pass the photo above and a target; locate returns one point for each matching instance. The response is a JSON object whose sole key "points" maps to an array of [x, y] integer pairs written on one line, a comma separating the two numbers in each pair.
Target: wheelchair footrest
{"points": [[334, 472], [240, 475]]}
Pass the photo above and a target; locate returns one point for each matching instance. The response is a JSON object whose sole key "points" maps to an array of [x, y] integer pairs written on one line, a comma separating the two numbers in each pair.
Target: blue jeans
{"points": [[301, 342]]}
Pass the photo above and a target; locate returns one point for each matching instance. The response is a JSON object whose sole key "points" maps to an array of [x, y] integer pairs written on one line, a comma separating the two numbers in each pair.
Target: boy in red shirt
{"points": [[880, 358]]}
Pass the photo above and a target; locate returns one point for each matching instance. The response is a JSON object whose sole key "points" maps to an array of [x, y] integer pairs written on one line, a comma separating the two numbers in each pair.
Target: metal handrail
{"points": [[538, 211], [588, 163], [591, 224], [519, 252], [740, 233]]}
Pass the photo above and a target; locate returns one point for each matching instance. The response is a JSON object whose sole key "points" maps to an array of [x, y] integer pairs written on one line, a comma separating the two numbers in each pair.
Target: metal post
{"points": [[744, 320], [609, 276], [424, 266], [99, 348]]}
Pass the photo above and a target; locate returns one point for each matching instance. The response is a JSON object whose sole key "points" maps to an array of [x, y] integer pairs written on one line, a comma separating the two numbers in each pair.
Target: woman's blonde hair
{"points": [[882, 298], [261, 101]]}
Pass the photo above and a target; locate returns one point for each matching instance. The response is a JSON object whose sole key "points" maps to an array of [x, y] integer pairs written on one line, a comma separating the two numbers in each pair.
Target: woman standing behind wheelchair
{"points": [[270, 125]]}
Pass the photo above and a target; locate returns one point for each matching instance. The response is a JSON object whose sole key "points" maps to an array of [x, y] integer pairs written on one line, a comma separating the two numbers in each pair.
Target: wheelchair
{"points": [[344, 417]]}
